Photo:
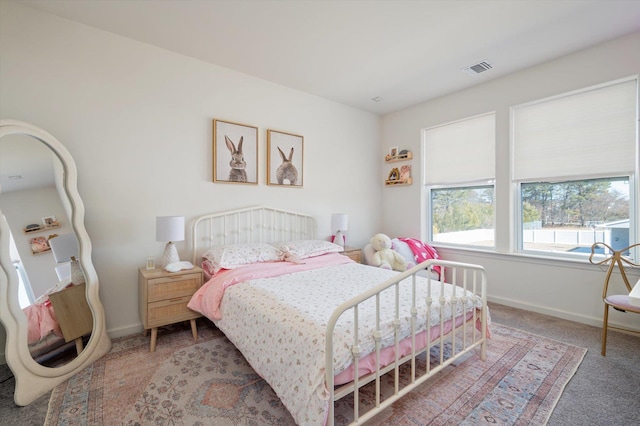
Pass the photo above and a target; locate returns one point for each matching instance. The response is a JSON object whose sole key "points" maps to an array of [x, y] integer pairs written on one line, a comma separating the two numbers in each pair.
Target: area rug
{"points": [[210, 383]]}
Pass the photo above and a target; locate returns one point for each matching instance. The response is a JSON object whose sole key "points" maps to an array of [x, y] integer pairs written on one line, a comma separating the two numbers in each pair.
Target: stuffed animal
{"points": [[385, 257]]}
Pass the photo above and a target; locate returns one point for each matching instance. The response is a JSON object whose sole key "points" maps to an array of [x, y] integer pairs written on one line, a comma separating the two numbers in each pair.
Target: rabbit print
{"points": [[237, 163], [286, 171]]}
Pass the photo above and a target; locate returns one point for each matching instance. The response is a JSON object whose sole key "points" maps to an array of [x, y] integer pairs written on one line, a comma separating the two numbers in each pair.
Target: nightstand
{"points": [[73, 313], [163, 298], [353, 253]]}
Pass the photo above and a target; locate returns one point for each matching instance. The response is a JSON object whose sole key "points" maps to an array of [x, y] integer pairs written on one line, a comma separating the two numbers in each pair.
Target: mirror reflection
{"points": [[43, 250]]}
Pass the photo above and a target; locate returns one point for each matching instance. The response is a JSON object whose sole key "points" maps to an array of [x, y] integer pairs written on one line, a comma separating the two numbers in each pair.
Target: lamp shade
{"points": [[64, 247], [65, 250], [339, 222], [169, 228]]}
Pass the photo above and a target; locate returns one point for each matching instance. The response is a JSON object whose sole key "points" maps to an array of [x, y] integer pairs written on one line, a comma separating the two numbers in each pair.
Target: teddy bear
{"points": [[385, 257]]}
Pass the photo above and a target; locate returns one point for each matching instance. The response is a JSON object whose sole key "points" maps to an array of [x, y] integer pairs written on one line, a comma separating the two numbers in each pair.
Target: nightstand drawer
{"points": [[171, 287], [169, 311]]}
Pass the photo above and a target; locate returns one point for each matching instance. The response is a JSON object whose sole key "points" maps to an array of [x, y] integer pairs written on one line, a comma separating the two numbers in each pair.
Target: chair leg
{"points": [[605, 323]]}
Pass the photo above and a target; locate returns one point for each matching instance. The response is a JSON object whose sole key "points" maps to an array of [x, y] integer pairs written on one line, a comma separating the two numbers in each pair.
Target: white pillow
{"points": [[295, 251], [404, 250], [232, 256]]}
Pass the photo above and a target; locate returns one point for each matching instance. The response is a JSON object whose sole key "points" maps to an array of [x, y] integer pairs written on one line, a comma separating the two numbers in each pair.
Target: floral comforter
{"points": [[279, 322]]}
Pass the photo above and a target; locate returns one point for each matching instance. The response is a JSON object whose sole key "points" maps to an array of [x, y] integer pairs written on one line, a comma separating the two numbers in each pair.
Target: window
{"points": [[459, 165], [463, 215], [570, 216], [574, 168]]}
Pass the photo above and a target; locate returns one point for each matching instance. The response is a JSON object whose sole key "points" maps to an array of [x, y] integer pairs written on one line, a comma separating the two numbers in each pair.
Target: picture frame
{"points": [[393, 151], [151, 263], [235, 153], [405, 173], [50, 222], [285, 159], [39, 245]]}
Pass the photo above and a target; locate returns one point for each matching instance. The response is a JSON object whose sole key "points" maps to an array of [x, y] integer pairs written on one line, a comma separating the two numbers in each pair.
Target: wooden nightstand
{"points": [[73, 313], [353, 253], [163, 298]]}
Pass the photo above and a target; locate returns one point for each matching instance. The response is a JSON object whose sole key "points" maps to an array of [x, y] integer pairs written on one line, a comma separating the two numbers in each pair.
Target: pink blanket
{"points": [[42, 321], [422, 252], [208, 298]]}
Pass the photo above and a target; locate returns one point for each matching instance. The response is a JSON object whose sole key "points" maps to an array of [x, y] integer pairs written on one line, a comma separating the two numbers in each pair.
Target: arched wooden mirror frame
{"points": [[33, 379]]}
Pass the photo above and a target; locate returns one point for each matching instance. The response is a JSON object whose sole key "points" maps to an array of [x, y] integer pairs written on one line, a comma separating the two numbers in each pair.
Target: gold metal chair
{"points": [[620, 302]]}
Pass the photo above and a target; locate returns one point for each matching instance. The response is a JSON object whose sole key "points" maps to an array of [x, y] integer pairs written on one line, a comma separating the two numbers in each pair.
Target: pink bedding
{"points": [[208, 298], [42, 321], [367, 364]]}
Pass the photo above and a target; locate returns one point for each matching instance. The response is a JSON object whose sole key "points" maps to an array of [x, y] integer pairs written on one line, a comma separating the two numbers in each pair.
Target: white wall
{"points": [[138, 121], [22, 208], [559, 288]]}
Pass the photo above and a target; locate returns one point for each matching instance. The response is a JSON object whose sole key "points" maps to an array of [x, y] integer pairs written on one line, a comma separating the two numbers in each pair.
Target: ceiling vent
{"points": [[478, 68]]}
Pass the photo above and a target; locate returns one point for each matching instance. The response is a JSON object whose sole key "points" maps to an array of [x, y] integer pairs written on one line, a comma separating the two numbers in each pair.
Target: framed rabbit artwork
{"points": [[284, 159], [235, 153]]}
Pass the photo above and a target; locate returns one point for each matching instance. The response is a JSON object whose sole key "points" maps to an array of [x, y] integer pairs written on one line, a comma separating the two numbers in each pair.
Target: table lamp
{"points": [[169, 229], [339, 224], [65, 249]]}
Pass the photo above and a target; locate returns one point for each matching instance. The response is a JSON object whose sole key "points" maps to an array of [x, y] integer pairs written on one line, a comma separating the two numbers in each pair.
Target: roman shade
{"points": [[590, 132], [461, 151]]}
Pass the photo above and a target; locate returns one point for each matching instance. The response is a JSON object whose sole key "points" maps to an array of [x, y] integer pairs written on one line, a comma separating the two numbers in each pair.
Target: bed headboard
{"points": [[248, 225]]}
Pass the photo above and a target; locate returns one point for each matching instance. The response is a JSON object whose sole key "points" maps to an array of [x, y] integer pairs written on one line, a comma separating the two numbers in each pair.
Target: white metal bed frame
{"points": [[464, 277], [268, 225]]}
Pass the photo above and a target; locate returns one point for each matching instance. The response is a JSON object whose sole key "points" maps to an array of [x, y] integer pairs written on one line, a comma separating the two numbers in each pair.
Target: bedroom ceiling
{"points": [[404, 52]]}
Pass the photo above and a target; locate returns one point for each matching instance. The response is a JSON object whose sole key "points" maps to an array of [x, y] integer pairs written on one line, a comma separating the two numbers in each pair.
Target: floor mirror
{"points": [[49, 301]]}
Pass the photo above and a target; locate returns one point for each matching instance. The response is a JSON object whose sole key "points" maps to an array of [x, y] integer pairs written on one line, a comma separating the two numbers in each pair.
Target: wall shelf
{"points": [[41, 228], [409, 181], [400, 157]]}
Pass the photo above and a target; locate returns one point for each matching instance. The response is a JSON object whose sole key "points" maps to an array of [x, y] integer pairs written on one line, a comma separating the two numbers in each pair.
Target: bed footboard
{"points": [[468, 332]]}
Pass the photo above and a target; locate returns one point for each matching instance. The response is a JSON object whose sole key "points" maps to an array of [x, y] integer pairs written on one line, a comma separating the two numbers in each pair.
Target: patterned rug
{"points": [[210, 383]]}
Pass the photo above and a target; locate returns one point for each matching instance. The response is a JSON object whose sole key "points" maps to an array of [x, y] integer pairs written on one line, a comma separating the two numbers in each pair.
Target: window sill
{"points": [[528, 257]]}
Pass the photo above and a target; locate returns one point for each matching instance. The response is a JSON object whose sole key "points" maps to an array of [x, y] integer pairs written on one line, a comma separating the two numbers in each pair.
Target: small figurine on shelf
{"points": [[395, 154], [32, 228], [394, 174]]}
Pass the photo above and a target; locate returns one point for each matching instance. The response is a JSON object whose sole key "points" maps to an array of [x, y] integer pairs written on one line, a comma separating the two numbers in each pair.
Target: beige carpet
{"points": [[211, 383]]}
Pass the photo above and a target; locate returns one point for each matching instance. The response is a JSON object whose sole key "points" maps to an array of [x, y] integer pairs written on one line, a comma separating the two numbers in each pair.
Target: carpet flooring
{"points": [[609, 398]]}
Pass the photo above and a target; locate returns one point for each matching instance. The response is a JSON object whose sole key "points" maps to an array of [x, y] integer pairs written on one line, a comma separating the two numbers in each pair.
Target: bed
{"points": [[318, 326]]}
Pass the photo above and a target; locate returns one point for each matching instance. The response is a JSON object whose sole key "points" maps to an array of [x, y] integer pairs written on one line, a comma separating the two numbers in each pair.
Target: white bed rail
{"points": [[463, 338]]}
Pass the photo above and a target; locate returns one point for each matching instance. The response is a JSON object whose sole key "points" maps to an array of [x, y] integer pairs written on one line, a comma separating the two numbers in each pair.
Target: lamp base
{"points": [[339, 238], [77, 276], [170, 255]]}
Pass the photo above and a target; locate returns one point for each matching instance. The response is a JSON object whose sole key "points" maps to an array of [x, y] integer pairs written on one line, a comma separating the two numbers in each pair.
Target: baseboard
{"points": [[125, 331], [583, 319]]}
